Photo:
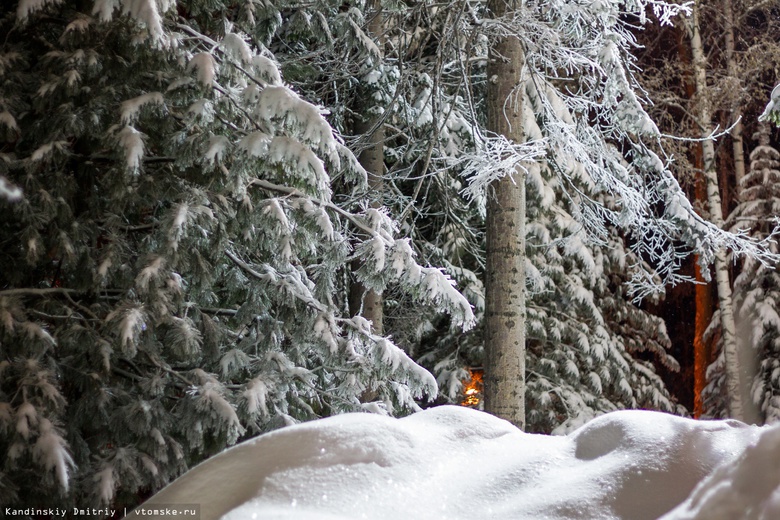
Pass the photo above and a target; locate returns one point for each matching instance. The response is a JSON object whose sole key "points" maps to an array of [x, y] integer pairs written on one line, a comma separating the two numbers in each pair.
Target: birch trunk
{"points": [[505, 262], [704, 120], [366, 302]]}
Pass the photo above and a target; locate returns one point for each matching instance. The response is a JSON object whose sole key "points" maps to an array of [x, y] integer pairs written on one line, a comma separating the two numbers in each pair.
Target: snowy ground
{"points": [[457, 463]]}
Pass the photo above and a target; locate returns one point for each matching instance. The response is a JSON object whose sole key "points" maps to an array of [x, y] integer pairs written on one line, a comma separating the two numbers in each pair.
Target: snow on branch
{"points": [[278, 104], [129, 109], [236, 47], [291, 281], [216, 148], [144, 12], [298, 158], [772, 110], [205, 67], [132, 142], [383, 350], [129, 322], [8, 191], [50, 450], [428, 283], [255, 397], [8, 121], [47, 150], [28, 7], [666, 11], [209, 398], [434, 285], [267, 69]]}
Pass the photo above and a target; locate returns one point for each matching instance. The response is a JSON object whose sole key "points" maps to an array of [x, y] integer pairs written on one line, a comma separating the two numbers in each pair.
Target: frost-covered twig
{"points": [[495, 158]]}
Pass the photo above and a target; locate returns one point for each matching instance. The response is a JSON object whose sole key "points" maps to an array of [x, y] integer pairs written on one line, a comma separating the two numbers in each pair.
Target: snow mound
{"points": [[748, 489], [458, 463]]}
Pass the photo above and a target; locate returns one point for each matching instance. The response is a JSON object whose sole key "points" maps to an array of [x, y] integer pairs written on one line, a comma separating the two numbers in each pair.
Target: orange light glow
{"points": [[472, 389]]}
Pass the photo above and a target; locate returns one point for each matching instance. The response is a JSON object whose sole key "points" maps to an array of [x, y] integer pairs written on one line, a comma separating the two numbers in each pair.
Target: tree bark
{"points": [[737, 143], [363, 301], [704, 119], [505, 262], [705, 305]]}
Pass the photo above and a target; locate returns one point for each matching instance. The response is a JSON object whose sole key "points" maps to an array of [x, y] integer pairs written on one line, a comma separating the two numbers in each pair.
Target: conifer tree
{"points": [[448, 354], [173, 269], [584, 335]]}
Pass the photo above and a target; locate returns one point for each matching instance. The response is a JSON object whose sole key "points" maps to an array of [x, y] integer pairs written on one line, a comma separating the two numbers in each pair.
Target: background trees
{"points": [[739, 42]]}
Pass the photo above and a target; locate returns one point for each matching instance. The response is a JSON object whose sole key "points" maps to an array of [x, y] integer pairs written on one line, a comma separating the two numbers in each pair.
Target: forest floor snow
{"points": [[457, 463]]}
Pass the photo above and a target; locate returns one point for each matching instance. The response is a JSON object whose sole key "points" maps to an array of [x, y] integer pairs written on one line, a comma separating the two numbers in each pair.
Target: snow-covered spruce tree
{"points": [[597, 139], [576, 294], [336, 61], [589, 345], [440, 95], [172, 275], [756, 293], [585, 337], [579, 59], [430, 89]]}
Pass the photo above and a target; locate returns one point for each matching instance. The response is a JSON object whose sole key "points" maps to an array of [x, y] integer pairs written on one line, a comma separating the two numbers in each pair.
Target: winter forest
{"points": [[223, 218]]}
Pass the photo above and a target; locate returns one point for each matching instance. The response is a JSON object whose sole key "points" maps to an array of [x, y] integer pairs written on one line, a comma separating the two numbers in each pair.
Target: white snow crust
{"points": [[458, 463]]}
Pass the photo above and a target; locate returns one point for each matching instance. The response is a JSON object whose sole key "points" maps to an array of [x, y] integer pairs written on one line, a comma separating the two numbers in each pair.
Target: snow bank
{"points": [[748, 489], [458, 463]]}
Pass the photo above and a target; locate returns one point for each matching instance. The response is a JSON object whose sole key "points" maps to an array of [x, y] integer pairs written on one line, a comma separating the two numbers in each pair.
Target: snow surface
{"points": [[458, 463]]}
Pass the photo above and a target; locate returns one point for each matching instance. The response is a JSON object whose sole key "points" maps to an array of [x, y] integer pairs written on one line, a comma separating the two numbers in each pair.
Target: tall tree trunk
{"points": [[505, 262], [702, 350], [737, 143], [363, 301], [704, 120], [704, 294]]}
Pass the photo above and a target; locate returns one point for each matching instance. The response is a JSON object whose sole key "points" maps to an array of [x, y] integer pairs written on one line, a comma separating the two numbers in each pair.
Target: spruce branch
{"points": [[165, 368], [298, 194], [311, 302], [61, 316]]}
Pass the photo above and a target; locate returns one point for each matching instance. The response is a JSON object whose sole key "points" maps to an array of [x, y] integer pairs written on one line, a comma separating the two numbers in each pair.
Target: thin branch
{"points": [[37, 292], [297, 193], [314, 304], [125, 373], [213, 310], [82, 308], [166, 369]]}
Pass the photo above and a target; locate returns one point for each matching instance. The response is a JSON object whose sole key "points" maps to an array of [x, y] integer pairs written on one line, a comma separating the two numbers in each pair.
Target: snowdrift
{"points": [[458, 463]]}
